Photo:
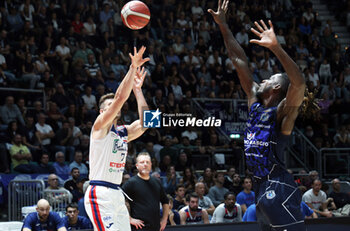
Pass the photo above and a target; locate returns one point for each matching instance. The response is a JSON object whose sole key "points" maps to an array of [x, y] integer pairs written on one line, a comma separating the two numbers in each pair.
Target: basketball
{"points": [[135, 15]]}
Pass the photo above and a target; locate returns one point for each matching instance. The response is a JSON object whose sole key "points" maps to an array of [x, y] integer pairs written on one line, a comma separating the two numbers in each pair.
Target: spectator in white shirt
{"points": [[313, 77], [63, 52]]}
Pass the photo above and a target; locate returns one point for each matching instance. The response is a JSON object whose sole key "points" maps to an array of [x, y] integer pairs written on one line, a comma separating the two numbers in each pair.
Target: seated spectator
{"points": [[170, 181], [64, 141], [44, 166], [192, 213], [73, 221], [235, 186], [204, 201], [10, 112], [217, 192], [168, 150], [44, 132], [179, 200], [316, 199], [61, 168], [79, 192], [229, 211], [207, 179], [183, 161], [188, 180], [250, 214], [78, 163], [340, 198], [174, 217], [71, 184], [43, 218], [247, 196], [20, 156], [53, 197]]}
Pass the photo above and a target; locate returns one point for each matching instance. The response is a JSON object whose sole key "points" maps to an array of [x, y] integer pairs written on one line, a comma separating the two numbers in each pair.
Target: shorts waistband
{"points": [[105, 184]]}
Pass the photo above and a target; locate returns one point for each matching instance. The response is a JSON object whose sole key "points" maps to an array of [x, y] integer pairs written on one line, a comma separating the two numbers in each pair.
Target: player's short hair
{"points": [[193, 195], [229, 193], [104, 98], [142, 154], [72, 205]]}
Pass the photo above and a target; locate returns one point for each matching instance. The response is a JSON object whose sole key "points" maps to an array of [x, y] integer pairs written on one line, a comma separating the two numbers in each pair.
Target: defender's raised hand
{"points": [[136, 59], [139, 78], [219, 16], [267, 35]]}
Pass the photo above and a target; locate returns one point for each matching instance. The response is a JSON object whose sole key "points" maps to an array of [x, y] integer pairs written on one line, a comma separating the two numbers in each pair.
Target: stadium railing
{"points": [[58, 200], [22, 193]]}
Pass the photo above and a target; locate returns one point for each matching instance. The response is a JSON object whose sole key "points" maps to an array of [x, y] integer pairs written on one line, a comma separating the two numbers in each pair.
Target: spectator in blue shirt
{"points": [[250, 214], [78, 163], [73, 221], [60, 167], [247, 196], [43, 219]]}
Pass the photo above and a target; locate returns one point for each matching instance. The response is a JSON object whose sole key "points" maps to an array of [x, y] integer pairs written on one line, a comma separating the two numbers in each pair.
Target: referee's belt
{"points": [[105, 184]]}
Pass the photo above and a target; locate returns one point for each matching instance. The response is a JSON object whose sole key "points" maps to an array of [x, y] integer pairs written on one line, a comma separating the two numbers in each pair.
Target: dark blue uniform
{"points": [[53, 222], [82, 223], [276, 194]]}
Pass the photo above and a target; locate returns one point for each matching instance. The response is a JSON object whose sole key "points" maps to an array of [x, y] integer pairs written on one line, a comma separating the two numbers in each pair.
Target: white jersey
{"points": [[107, 156]]}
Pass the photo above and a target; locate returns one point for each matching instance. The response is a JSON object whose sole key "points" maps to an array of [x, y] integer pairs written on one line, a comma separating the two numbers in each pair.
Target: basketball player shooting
{"points": [[104, 200], [273, 108]]}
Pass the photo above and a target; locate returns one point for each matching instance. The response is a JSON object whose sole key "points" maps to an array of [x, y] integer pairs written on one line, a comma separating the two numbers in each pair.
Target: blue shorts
{"points": [[278, 202]]}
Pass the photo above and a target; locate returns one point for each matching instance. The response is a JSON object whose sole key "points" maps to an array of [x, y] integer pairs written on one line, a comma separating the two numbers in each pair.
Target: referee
{"points": [[146, 193]]}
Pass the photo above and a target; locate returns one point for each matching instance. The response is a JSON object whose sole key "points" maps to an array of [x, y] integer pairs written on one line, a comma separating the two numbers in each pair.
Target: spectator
{"points": [[250, 214], [43, 218], [71, 184], [81, 206], [44, 166], [44, 132], [204, 201], [56, 197], [192, 214], [235, 186], [207, 179], [61, 168], [174, 217], [64, 55], [61, 98], [170, 181], [78, 163], [64, 140], [79, 192], [217, 192], [316, 199], [10, 112], [20, 156], [247, 196], [179, 200], [183, 162], [340, 198], [229, 211], [73, 221]]}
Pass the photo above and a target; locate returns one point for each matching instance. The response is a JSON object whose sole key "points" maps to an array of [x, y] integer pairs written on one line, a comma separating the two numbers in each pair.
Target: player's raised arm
{"points": [[122, 93], [296, 89], [136, 129], [235, 51]]}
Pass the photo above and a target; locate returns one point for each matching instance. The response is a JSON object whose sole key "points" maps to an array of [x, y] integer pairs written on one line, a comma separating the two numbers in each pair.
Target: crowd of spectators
{"points": [[76, 51]]}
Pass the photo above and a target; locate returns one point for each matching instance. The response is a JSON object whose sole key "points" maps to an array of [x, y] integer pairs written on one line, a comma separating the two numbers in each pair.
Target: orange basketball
{"points": [[135, 15]]}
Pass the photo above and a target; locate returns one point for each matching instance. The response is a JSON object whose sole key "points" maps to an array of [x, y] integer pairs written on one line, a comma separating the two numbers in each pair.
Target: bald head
{"points": [[42, 203]]}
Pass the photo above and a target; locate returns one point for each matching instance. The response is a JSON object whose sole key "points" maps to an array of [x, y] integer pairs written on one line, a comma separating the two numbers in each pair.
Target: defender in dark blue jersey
{"points": [[273, 108]]}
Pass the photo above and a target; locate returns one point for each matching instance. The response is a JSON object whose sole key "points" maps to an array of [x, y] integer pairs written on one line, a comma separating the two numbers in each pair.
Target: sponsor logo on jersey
{"points": [[107, 218], [270, 194], [118, 145], [116, 165]]}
